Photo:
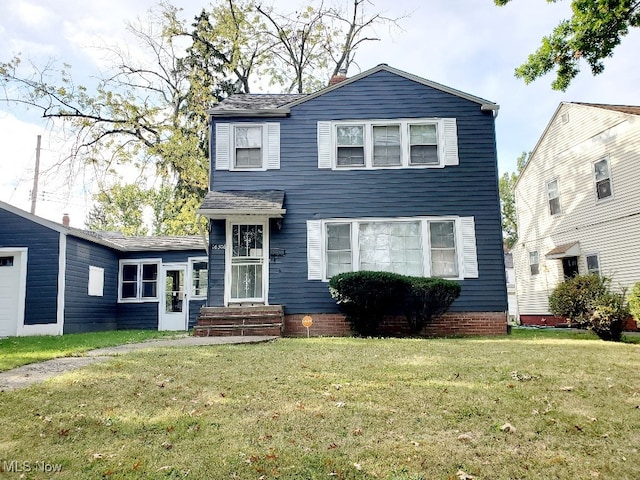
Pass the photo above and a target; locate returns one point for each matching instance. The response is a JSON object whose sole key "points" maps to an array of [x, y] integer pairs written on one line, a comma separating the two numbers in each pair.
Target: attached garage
{"points": [[12, 290]]}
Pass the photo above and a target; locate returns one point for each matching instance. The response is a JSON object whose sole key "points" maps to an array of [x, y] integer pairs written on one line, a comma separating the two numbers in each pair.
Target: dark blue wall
{"points": [[145, 315], [41, 304], [84, 313], [469, 189]]}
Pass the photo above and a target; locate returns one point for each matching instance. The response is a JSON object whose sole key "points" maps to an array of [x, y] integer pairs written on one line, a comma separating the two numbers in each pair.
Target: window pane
{"points": [[442, 234], [129, 290], [386, 145], [601, 169], [424, 155], [248, 137], [6, 261], [199, 278], [338, 248], [554, 206], [350, 135], [444, 258], [603, 189], [391, 247], [533, 263], [248, 157], [149, 289], [422, 134], [149, 271], [348, 156], [593, 265], [246, 240], [444, 263], [129, 273], [552, 189]]}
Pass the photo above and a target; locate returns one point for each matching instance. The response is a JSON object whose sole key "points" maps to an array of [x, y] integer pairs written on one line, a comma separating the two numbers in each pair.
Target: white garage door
{"points": [[9, 293]]}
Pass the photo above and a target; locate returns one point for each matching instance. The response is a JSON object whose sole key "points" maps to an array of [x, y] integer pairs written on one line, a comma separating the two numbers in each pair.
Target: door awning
{"points": [[563, 251], [231, 203]]}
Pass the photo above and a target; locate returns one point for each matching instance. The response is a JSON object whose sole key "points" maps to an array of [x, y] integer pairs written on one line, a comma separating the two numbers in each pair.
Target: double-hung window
{"points": [[534, 263], [602, 176], [248, 146], [398, 143], [553, 196], [419, 246], [138, 280], [199, 270], [593, 264]]}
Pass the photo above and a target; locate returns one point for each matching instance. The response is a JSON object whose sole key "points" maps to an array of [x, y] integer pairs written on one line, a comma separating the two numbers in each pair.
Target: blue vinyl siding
{"points": [[84, 313], [41, 303], [468, 189]]}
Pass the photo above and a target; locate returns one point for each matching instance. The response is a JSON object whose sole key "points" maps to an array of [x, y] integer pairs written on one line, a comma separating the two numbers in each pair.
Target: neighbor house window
{"points": [[248, 147], [603, 179], [593, 264], [199, 273], [553, 195], [401, 143], [350, 145], [138, 280], [534, 263]]}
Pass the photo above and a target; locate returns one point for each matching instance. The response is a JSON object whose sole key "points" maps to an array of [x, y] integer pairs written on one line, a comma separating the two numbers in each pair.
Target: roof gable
{"points": [[281, 104]]}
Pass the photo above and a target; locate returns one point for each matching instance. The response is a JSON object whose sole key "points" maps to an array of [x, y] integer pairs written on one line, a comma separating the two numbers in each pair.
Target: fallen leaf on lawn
{"points": [[465, 437], [415, 444], [358, 466], [332, 445], [97, 456], [595, 474], [167, 445], [357, 431], [507, 427], [578, 427], [566, 389], [340, 404], [166, 467], [593, 419], [137, 465], [464, 476]]}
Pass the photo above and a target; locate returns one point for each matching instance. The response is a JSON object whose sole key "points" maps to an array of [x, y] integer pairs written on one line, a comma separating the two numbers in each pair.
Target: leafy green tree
{"points": [[595, 29], [506, 185], [121, 209]]}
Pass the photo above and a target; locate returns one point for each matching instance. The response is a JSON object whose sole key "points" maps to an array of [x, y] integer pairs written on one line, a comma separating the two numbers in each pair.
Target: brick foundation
{"points": [[449, 324], [552, 321]]}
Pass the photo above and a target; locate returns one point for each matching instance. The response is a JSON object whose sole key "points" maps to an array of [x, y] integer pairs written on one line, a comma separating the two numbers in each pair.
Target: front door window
{"points": [[247, 262]]}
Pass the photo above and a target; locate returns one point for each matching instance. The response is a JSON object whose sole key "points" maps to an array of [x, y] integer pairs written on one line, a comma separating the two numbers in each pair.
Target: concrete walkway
{"points": [[37, 372]]}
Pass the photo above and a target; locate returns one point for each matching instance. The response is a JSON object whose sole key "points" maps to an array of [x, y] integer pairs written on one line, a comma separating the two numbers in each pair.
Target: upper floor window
{"points": [[534, 263], [247, 146], [401, 143], [138, 280], [553, 195], [602, 176], [430, 246]]}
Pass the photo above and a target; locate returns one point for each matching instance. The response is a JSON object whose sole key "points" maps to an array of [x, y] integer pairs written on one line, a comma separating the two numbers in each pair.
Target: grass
{"points": [[17, 351], [339, 408]]}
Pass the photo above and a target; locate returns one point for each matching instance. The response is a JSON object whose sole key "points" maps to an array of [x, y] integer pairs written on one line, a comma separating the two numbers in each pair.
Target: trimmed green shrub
{"points": [[573, 298], [634, 302], [608, 316], [365, 297], [428, 298]]}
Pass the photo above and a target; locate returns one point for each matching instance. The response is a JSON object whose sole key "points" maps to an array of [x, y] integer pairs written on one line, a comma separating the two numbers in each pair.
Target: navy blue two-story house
{"points": [[381, 171]]}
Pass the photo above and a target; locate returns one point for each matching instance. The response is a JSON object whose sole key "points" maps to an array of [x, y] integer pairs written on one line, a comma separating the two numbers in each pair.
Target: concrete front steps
{"points": [[240, 321]]}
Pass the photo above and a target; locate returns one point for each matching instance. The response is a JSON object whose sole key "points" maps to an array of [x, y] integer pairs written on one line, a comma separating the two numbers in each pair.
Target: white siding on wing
{"points": [[609, 228]]}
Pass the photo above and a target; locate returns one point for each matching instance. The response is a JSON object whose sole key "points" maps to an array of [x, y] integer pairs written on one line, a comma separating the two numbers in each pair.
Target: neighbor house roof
{"points": [[280, 105], [571, 249], [223, 204], [631, 109]]}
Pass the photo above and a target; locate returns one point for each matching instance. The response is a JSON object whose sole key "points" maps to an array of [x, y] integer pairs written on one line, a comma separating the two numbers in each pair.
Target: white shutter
{"points": [[314, 250], [469, 251], [273, 146], [450, 141], [223, 146], [324, 144]]}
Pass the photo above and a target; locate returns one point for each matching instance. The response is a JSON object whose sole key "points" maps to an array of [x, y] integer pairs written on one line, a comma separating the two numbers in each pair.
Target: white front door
{"points": [[246, 264], [9, 293], [174, 301]]}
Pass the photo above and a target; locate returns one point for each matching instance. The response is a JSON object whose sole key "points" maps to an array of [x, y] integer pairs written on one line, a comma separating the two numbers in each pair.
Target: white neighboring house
{"points": [[512, 299], [578, 204]]}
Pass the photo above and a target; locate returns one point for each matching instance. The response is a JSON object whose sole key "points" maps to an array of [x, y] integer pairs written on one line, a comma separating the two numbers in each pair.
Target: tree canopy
{"points": [[595, 29], [506, 186], [148, 112]]}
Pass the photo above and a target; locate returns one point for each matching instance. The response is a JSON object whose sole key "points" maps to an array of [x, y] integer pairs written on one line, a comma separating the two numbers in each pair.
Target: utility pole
{"points": [[36, 173]]}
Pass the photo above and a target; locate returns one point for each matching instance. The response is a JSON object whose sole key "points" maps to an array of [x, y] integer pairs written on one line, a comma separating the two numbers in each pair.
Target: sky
{"points": [[470, 45]]}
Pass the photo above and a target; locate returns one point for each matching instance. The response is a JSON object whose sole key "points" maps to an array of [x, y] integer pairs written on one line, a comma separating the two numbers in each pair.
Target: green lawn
{"points": [[532, 405], [16, 351]]}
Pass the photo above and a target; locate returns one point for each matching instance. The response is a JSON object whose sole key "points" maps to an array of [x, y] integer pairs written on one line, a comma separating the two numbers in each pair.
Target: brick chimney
{"points": [[341, 75], [65, 219]]}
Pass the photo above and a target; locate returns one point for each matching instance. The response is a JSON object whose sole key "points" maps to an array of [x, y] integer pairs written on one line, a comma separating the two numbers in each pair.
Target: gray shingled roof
{"points": [[257, 101], [136, 244], [243, 201], [632, 109]]}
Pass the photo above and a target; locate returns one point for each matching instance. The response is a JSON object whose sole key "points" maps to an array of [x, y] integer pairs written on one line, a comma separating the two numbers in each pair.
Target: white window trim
{"points": [[317, 246], [446, 132], [191, 261], [559, 212], [595, 182], [139, 263], [225, 148]]}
